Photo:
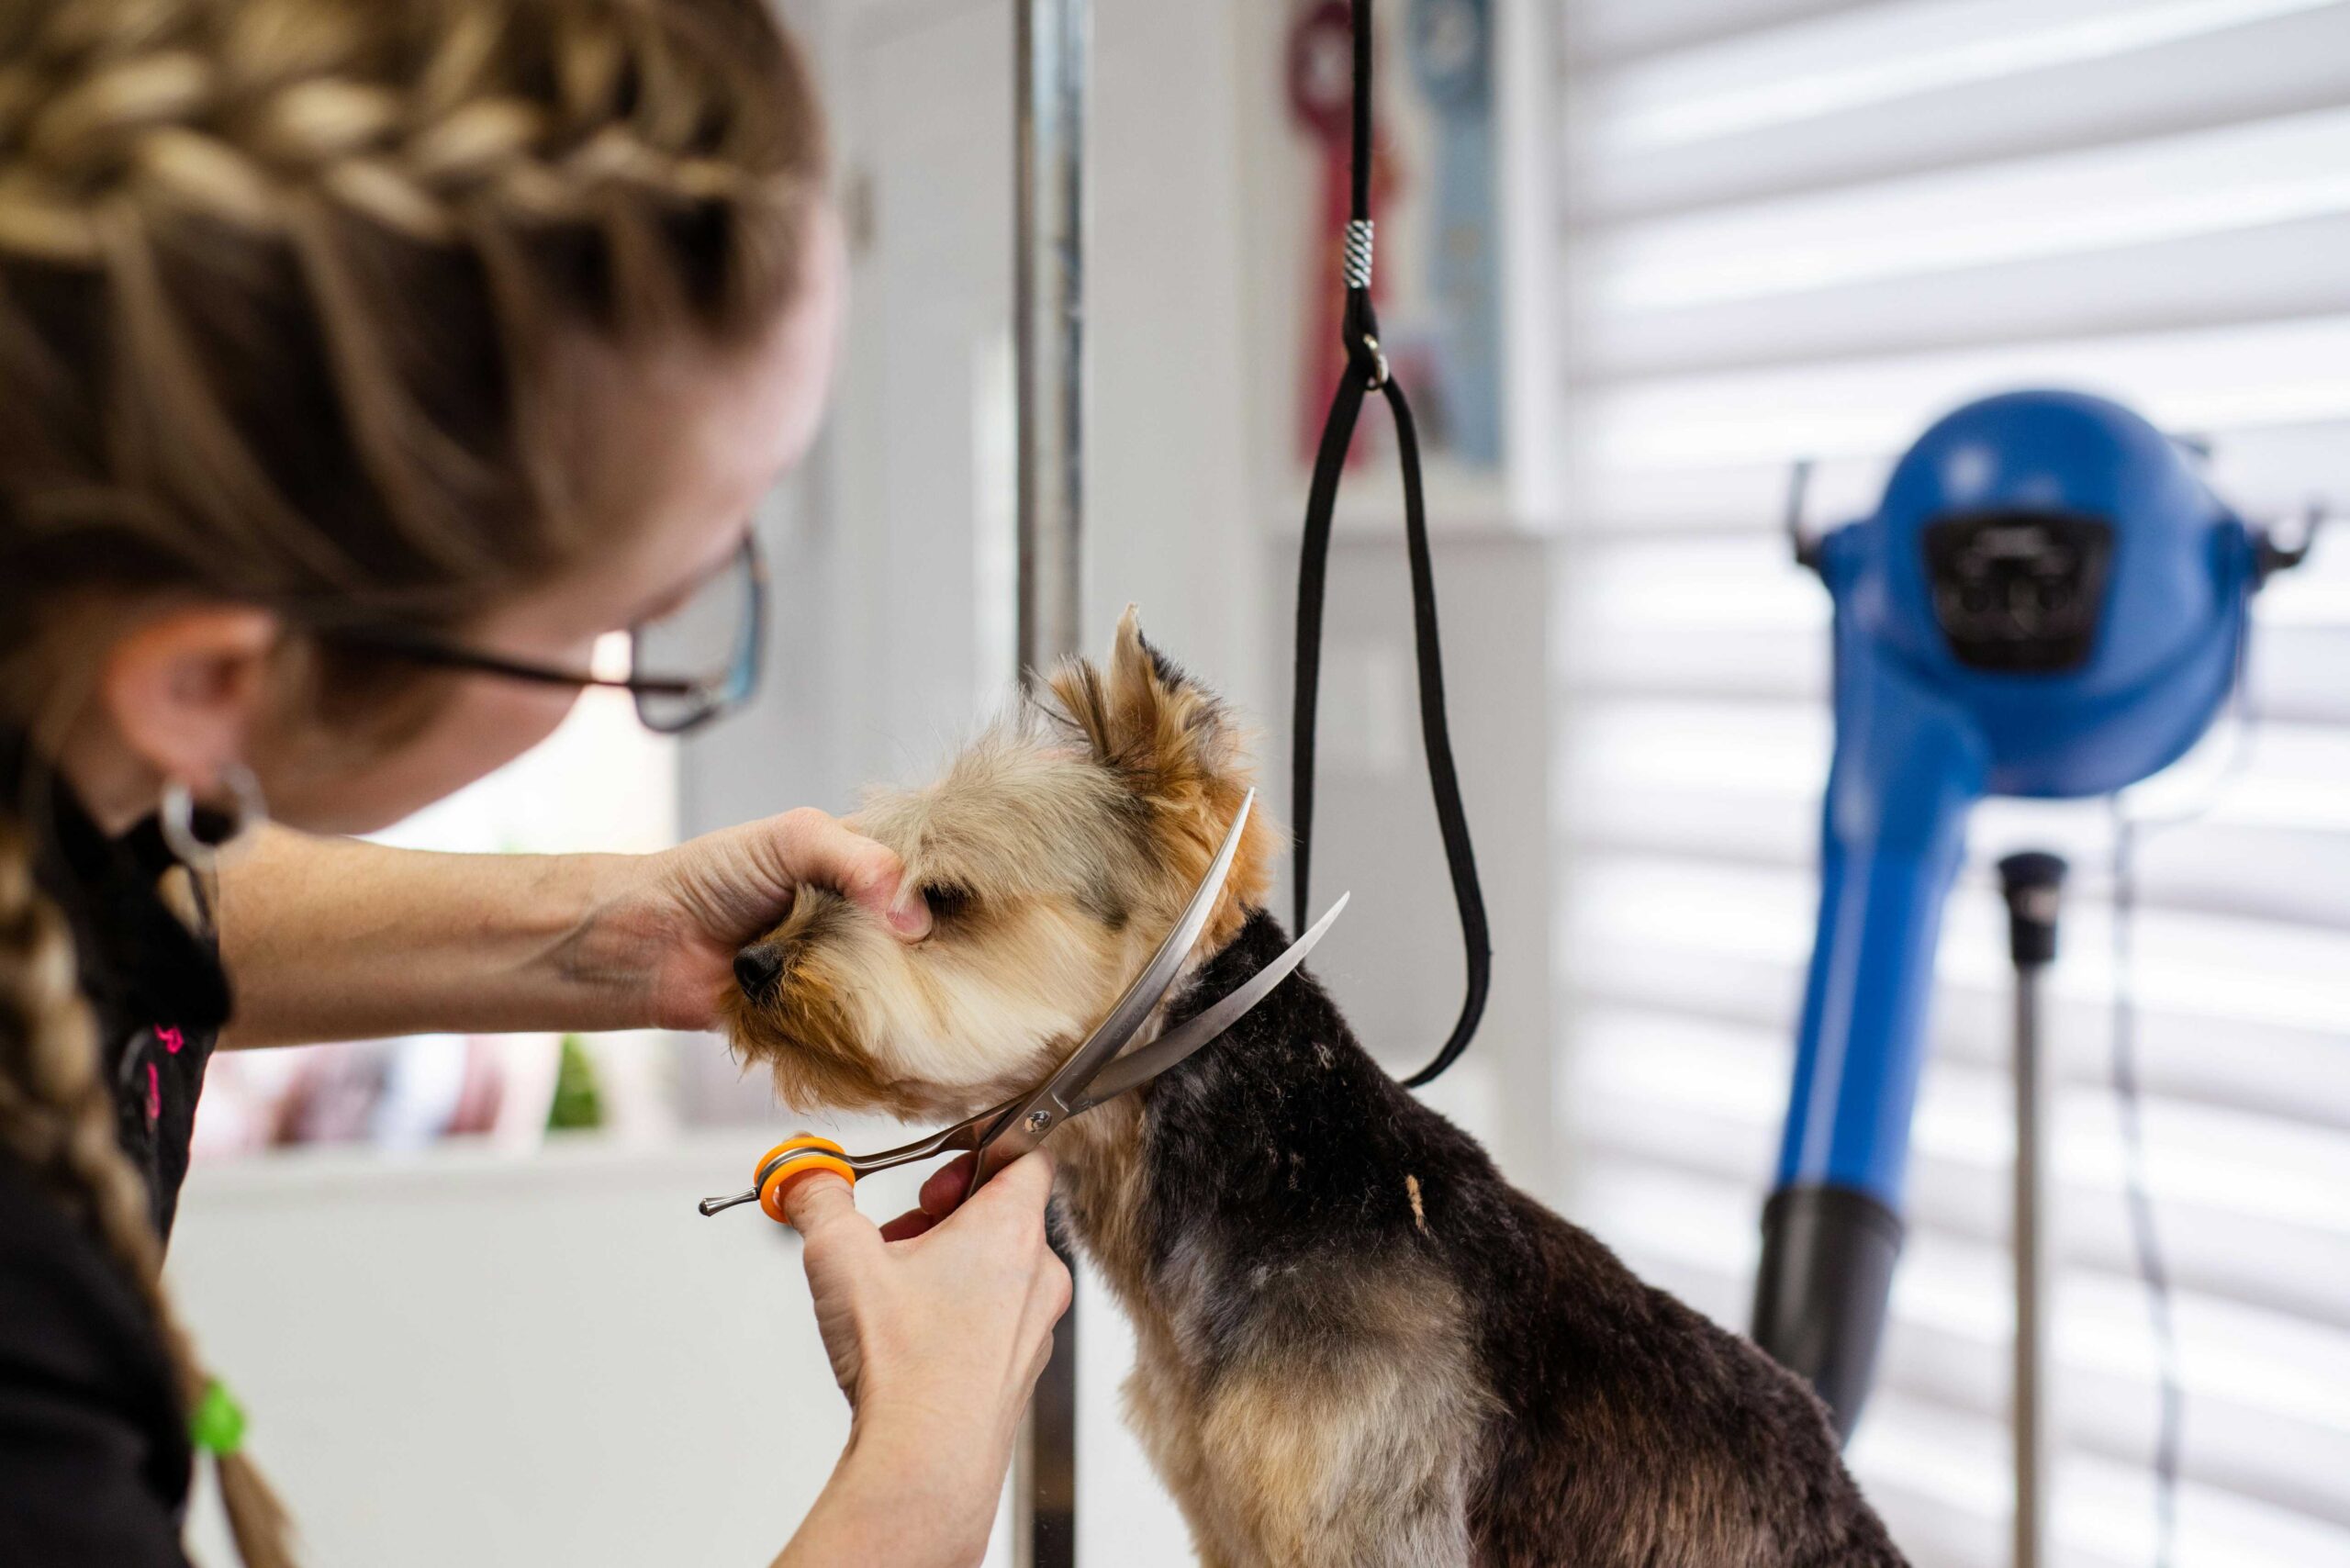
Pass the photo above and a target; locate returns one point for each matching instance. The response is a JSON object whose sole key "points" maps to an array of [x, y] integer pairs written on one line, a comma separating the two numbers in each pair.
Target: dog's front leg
{"points": [[1370, 1470], [1166, 1420]]}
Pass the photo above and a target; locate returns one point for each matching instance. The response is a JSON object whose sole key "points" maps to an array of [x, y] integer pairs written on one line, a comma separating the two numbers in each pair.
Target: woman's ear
{"points": [[185, 690]]}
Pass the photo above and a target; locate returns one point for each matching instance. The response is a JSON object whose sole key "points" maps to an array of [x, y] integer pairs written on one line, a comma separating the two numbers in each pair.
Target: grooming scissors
{"points": [[1093, 1072]]}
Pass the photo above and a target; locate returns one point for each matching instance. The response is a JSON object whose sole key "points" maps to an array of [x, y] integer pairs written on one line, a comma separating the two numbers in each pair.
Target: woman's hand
{"points": [[937, 1329], [333, 939], [947, 1319], [689, 910]]}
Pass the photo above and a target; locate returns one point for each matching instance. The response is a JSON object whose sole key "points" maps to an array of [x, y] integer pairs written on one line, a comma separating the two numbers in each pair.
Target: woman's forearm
{"points": [[336, 939], [333, 939], [901, 1500]]}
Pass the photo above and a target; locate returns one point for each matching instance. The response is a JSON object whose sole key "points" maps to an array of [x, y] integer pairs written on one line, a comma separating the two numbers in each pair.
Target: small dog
{"points": [[1356, 1344]]}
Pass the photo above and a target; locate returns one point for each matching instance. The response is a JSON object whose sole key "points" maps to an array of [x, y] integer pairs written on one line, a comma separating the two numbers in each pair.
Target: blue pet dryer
{"points": [[2048, 602]]}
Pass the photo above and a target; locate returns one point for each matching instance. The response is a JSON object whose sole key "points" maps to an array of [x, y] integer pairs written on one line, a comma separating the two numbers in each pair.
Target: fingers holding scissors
{"points": [[940, 1193], [1009, 1213], [956, 1315]]}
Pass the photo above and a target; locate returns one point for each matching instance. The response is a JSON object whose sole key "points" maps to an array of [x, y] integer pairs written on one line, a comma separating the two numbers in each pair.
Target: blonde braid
{"points": [[58, 1118], [559, 152], [281, 284], [233, 133]]}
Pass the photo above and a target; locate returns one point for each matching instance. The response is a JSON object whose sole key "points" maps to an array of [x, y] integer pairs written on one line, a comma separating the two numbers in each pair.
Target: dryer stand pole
{"points": [[2034, 885]]}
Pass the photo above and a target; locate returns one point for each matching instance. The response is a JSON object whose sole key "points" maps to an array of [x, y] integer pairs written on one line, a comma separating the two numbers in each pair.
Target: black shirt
{"points": [[94, 1457]]}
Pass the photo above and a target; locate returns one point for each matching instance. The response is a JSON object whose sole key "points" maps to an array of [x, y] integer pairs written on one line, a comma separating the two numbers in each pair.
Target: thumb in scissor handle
{"points": [[786, 1163]]}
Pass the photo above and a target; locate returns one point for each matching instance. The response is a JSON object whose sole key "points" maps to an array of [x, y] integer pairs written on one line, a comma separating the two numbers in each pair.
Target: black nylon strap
{"points": [[1366, 371]]}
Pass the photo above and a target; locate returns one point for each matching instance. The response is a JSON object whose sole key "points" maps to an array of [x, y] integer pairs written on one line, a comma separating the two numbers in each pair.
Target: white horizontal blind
{"points": [[1803, 229]]}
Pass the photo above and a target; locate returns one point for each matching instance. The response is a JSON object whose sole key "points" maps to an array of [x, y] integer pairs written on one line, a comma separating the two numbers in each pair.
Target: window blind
{"points": [[1801, 231]]}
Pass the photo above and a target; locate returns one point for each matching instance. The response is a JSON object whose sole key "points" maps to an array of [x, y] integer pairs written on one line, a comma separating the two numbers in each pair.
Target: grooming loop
{"points": [[1368, 373]]}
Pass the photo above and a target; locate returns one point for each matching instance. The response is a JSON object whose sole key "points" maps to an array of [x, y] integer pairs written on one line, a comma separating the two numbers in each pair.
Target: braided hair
{"points": [[284, 290]]}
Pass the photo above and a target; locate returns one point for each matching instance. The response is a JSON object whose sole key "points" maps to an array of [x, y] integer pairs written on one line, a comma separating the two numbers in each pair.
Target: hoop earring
{"points": [[195, 832]]}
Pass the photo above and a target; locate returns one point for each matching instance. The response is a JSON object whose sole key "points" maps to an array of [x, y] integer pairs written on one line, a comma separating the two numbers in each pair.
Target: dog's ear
{"points": [[1176, 747], [1144, 717], [1134, 663]]}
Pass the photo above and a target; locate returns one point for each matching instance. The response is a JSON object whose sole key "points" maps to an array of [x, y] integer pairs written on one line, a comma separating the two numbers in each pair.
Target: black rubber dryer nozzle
{"points": [[1819, 1297]]}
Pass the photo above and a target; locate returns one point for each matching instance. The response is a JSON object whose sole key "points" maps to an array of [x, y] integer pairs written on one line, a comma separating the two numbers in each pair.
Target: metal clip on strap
{"points": [[1361, 235]]}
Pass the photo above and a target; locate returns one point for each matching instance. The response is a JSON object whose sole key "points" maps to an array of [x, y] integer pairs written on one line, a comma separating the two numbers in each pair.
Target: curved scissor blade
{"points": [[1024, 1124], [1137, 1068]]}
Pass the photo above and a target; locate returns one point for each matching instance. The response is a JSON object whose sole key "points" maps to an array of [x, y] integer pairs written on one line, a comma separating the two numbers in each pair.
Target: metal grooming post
{"points": [[1048, 278], [1049, 306], [2034, 884]]}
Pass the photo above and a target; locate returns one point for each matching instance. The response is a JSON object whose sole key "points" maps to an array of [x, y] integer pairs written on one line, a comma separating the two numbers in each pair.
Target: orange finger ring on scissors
{"points": [[789, 1161]]}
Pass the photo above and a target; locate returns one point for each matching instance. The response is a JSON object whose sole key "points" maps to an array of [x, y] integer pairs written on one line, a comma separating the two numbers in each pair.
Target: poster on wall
{"points": [[1437, 283]]}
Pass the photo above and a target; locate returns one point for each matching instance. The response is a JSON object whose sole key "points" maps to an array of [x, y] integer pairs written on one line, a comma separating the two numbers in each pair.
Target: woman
{"points": [[361, 364]]}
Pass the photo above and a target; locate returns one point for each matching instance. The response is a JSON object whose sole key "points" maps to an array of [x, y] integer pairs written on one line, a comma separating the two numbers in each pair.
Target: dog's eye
{"points": [[946, 900]]}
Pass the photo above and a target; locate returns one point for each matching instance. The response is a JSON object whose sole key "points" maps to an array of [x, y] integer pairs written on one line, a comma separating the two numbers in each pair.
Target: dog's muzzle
{"points": [[757, 969]]}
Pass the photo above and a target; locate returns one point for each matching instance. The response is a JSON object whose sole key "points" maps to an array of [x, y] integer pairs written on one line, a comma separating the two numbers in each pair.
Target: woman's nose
{"points": [[756, 969]]}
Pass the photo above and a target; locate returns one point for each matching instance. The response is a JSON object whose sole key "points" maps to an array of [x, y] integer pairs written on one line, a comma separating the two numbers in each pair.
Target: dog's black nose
{"points": [[756, 969]]}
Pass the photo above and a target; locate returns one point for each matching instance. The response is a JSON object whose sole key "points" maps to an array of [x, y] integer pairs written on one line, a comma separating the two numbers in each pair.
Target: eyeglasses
{"points": [[686, 666]]}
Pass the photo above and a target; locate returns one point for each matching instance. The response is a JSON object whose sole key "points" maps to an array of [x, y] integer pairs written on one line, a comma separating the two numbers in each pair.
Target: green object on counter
{"points": [[577, 1102]]}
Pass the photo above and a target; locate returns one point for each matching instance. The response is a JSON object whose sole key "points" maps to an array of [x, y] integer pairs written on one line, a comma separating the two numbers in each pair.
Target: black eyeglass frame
{"points": [[710, 698]]}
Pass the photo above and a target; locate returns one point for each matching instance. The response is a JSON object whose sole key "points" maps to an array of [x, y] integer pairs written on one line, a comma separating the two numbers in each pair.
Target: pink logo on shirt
{"points": [[172, 1039]]}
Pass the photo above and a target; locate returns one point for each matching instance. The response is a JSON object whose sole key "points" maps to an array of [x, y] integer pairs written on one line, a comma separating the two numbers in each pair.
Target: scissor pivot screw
{"points": [[1039, 1120]]}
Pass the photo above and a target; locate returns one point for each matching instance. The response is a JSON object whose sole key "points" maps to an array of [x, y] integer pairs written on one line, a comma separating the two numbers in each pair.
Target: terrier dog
{"points": [[1356, 1344]]}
